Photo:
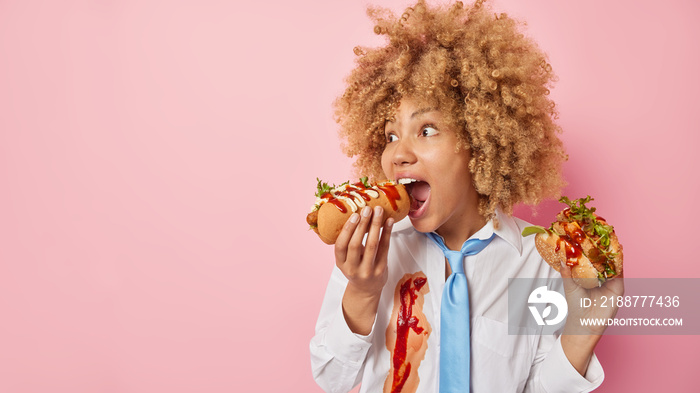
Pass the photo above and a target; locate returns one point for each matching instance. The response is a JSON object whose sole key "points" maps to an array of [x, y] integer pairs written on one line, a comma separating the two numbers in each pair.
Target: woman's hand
{"points": [[597, 310], [365, 266], [579, 341]]}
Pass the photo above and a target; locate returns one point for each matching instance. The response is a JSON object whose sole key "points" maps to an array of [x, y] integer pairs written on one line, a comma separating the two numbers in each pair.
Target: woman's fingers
{"points": [[570, 287], [355, 247], [364, 263], [616, 285], [349, 242], [372, 242], [384, 241], [349, 247], [341, 244]]}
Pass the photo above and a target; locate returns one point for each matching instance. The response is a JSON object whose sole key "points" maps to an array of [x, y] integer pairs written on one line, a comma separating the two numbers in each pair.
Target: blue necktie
{"points": [[454, 318]]}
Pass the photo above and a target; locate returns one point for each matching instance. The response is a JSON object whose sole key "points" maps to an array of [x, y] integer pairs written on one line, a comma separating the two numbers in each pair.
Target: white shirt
{"points": [[500, 362]]}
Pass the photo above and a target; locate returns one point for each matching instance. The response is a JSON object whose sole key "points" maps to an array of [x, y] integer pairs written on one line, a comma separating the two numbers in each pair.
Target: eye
{"points": [[391, 138], [428, 131]]}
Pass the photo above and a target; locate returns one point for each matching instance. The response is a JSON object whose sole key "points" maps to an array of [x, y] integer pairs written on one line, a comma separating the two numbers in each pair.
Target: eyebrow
{"points": [[422, 111], [416, 113]]}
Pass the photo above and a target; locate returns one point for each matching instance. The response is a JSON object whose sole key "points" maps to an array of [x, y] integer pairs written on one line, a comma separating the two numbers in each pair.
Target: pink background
{"points": [[157, 159]]}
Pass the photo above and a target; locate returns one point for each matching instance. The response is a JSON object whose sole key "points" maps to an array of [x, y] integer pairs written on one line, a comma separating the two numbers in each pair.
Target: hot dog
{"points": [[583, 240], [334, 205]]}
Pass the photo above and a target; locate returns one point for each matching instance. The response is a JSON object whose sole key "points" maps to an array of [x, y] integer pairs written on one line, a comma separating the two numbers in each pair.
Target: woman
{"points": [[456, 107]]}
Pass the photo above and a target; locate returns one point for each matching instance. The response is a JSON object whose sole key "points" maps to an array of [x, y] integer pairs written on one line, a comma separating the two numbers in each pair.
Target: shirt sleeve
{"points": [[337, 354], [552, 372]]}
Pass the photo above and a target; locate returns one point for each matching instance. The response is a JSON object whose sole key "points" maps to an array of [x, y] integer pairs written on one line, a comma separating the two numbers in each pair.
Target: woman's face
{"points": [[421, 151]]}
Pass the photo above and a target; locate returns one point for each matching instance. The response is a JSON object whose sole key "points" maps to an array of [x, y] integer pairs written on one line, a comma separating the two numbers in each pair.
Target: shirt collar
{"points": [[507, 230]]}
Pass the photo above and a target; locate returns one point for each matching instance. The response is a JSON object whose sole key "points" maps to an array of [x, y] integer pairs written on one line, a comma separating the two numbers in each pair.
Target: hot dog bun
{"points": [[335, 205], [584, 241]]}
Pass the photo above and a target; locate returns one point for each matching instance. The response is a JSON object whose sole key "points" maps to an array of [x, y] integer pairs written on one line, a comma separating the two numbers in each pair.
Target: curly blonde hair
{"points": [[489, 81]]}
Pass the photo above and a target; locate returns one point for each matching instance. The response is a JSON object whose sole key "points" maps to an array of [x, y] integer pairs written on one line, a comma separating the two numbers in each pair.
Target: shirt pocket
{"points": [[500, 361]]}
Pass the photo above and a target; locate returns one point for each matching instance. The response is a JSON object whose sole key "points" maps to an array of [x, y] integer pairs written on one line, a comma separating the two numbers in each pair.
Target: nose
{"points": [[403, 153]]}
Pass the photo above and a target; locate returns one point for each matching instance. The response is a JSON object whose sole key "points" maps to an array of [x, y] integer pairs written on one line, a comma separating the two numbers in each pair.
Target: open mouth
{"points": [[419, 191]]}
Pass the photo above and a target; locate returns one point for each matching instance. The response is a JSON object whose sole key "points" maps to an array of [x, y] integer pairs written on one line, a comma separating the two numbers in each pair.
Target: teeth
{"points": [[407, 180]]}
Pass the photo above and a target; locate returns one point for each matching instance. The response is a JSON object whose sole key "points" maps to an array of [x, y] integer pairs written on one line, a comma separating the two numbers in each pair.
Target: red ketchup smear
{"points": [[359, 188], [405, 322], [572, 246], [332, 200], [359, 191], [392, 194]]}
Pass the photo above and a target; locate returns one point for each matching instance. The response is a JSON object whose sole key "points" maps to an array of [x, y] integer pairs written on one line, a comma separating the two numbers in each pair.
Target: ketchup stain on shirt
{"points": [[405, 322]]}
